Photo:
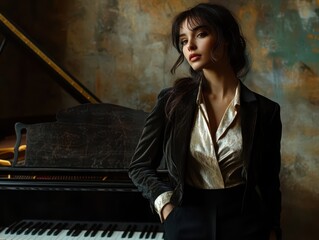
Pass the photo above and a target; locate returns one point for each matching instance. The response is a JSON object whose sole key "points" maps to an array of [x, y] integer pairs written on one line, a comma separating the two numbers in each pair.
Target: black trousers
{"points": [[215, 215]]}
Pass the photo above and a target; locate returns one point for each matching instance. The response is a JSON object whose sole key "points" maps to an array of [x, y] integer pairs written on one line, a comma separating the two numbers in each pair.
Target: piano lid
{"points": [[11, 36], [88, 136], [64, 78]]}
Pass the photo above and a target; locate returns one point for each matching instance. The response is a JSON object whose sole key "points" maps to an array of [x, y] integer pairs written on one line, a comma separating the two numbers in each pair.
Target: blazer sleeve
{"points": [[270, 180], [149, 153]]}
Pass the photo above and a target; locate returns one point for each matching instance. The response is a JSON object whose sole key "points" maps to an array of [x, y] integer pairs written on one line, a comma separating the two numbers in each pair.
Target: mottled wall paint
{"points": [[284, 42], [121, 51]]}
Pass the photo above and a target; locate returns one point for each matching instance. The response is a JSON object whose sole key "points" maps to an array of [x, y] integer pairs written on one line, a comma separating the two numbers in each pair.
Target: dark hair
{"points": [[220, 21], [223, 24]]}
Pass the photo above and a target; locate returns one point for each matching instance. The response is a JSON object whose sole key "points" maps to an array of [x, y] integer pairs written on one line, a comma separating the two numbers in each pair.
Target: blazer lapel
{"points": [[182, 130], [248, 110], [183, 126]]}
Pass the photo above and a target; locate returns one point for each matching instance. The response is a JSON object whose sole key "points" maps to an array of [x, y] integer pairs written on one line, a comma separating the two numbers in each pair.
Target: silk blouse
{"points": [[213, 164]]}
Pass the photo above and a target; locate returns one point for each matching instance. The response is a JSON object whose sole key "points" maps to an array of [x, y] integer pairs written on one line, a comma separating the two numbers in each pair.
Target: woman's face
{"points": [[197, 44]]}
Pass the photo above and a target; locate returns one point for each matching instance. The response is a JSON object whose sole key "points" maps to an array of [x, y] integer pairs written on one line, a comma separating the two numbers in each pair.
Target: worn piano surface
{"points": [[72, 182]]}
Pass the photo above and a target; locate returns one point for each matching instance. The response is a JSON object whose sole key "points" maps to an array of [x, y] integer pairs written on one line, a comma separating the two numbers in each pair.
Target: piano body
{"points": [[72, 181]]}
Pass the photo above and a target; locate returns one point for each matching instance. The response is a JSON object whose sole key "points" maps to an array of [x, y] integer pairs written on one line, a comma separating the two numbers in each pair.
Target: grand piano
{"points": [[70, 179]]}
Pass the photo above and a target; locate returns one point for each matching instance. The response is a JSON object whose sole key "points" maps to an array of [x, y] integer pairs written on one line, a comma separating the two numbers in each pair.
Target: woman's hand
{"points": [[167, 210]]}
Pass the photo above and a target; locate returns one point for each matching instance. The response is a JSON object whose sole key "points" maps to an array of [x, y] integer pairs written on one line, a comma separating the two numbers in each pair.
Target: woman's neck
{"points": [[220, 84]]}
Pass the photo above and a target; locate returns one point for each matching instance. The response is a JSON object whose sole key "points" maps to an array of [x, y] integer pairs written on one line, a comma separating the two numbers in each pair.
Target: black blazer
{"points": [[168, 140]]}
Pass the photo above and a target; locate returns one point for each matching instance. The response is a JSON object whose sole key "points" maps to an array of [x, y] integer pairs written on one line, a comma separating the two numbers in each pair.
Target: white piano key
{"points": [[5, 236], [63, 235], [28, 232], [10, 237]]}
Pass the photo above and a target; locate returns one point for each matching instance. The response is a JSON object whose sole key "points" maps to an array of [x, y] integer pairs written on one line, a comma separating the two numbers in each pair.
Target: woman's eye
{"points": [[202, 34], [183, 42]]}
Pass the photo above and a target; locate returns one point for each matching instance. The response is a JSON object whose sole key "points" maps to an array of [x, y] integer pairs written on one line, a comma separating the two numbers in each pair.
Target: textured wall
{"points": [[120, 50]]}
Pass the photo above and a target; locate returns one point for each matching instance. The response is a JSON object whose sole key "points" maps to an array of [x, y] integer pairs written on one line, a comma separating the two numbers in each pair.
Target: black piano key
{"points": [[155, 232], [46, 226], [106, 230], [60, 228], [68, 233], [8, 230], [50, 232], [78, 229], [38, 228], [24, 228], [14, 227], [88, 232], [132, 231], [111, 231], [143, 231], [149, 232], [18, 227], [126, 231], [95, 230], [31, 228], [42, 228], [72, 229]]}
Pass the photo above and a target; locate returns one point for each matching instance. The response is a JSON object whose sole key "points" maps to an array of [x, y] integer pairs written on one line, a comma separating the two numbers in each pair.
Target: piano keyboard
{"points": [[56, 230]]}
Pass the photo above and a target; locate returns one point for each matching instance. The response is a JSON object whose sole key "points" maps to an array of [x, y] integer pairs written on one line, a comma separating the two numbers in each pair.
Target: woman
{"points": [[219, 140]]}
